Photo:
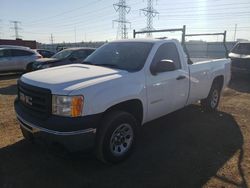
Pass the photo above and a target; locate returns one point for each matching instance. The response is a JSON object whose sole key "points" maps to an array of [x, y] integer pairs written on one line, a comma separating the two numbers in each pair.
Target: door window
{"points": [[1, 53], [17, 53], [79, 54], [4, 53], [90, 52], [168, 51]]}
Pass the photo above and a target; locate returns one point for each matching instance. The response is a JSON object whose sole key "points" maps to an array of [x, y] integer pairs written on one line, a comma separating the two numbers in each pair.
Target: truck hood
{"points": [[65, 79]]}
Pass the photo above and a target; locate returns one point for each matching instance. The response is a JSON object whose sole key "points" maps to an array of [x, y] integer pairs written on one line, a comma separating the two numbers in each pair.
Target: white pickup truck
{"points": [[118, 88]]}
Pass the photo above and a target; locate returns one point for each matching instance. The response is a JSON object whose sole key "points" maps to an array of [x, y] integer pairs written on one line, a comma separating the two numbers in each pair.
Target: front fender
{"points": [[100, 97]]}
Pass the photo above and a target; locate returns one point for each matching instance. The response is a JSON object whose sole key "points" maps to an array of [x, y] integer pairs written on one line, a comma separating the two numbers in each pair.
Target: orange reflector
{"points": [[76, 106]]}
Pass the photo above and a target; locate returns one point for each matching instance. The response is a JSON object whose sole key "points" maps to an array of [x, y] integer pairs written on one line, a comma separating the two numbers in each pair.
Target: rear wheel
{"points": [[29, 67], [116, 137], [212, 101]]}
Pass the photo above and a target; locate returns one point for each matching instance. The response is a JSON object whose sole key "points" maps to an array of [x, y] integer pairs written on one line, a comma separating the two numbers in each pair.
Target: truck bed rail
{"points": [[183, 37]]}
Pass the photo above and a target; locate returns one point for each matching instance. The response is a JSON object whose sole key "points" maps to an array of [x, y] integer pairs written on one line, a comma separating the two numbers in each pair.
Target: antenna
{"points": [[16, 28], [150, 13], [122, 8]]}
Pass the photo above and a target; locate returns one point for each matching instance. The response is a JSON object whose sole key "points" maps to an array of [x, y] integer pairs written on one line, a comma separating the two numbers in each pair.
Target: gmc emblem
{"points": [[25, 99]]}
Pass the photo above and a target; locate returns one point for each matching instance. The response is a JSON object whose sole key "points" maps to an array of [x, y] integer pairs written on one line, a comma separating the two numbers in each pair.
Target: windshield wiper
{"points": [[102, 64], [87, 62]]}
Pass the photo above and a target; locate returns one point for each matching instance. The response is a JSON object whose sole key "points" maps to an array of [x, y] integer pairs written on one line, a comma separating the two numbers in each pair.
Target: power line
{"points": [[212, 5], [122, 8], [150, 13], [241, 13], [16, 28], [65, 12], [78, 17], [80, 20], [198, 9]]}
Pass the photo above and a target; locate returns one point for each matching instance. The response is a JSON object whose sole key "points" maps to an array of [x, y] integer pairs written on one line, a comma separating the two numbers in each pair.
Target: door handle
{"points": [[181, 77]]}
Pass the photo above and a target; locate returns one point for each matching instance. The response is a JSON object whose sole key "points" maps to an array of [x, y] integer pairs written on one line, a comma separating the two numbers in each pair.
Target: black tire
{"points": [[29, 67], [109, 141], [212, 101], [27, 135]]}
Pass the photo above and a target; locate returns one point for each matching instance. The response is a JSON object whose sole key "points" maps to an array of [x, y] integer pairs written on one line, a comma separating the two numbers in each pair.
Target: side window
{"points": [[1, 53], [50, 53], [90, 52], [79, 54], [16, 53], [43, 53], [168, 51], [5, 53]]}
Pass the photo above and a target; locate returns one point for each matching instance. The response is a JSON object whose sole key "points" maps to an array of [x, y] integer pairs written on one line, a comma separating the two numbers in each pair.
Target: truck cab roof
{"points": [[146, 40]]}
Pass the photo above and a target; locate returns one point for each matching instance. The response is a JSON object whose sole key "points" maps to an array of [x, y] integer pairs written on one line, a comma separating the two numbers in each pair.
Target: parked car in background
{"points": [[16, 58], [45, 53], [240, 56], [64, 57]]}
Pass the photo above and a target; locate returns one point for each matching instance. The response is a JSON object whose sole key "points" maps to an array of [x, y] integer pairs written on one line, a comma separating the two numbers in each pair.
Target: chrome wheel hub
{"points": [[215, 98], [121, 139]]}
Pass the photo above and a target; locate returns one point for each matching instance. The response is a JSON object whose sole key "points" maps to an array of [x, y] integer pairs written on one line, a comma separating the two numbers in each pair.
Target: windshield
{"points": [[242, 48], [62, 54], [130, 56]]}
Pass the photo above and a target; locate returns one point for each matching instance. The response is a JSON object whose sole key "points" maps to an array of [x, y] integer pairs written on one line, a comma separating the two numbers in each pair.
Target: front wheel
{"points": [[116, 137], [212, 101]]}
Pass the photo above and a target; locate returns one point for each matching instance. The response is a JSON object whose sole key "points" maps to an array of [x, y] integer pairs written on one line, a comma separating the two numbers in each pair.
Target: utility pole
{"points": [[122, 8], [235, 31], [150, 13], [75, 34], [51, 39], [16, 28], [0, 28]]}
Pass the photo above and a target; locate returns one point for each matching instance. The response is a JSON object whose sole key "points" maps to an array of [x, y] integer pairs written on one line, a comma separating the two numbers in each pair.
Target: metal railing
{"points": [[183, 37]]}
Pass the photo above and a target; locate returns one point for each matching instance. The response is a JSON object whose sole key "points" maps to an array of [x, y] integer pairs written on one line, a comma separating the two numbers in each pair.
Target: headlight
{"points": [[70, 106]]}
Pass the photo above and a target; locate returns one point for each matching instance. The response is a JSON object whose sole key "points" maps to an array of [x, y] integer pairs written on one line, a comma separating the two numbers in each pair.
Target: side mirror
{"points": [[164, 65], [72, 59]]}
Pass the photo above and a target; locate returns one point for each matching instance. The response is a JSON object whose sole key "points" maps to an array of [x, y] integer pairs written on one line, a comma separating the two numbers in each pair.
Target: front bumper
{"points": [[73, 134]]}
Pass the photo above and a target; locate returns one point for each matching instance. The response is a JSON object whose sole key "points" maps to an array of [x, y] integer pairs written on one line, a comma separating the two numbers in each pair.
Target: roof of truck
{"points": [[80, 48], [144, 40]]}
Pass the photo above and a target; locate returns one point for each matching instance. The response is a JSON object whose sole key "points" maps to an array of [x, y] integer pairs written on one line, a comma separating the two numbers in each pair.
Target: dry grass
{"points": [[200, 149]]}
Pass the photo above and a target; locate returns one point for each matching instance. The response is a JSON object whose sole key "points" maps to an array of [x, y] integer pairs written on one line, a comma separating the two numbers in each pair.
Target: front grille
{"points": [[35, 100]]}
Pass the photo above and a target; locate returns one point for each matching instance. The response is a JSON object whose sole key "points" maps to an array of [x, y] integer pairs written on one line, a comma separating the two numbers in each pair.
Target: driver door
{"points": [[167, 91]]}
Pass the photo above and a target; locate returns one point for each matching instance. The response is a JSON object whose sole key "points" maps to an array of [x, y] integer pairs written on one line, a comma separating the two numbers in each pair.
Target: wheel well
{"points": [[28, 65], [133, 107], [219, 80]]}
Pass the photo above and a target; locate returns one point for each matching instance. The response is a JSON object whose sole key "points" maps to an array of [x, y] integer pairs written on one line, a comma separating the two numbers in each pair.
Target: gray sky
{"points": [[91, 20]]}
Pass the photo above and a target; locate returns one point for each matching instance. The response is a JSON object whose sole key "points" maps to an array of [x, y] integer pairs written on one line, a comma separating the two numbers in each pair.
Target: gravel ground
{"points": [[188, 148]]}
